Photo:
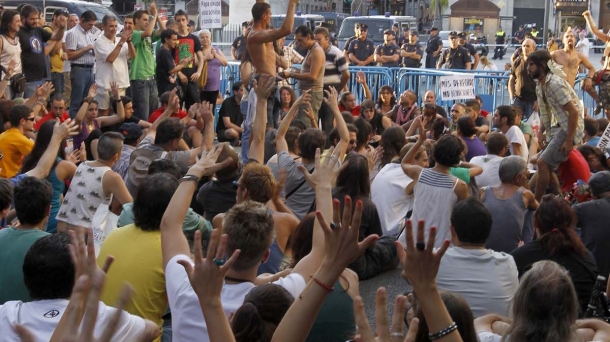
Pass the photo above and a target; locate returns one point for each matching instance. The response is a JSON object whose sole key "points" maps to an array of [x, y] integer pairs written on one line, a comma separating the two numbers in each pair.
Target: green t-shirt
{"points": [[14, 244], [143, 65], [526, 128], [461, 173]]}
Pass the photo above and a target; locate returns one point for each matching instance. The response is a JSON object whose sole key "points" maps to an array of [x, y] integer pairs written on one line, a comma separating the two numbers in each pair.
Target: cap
{"points": [[462, 35], [434, 29], [244, 24], [599, 183], [414, 33], [473, 36], [191, 23], [388, 32], [453, 34], [131, 131], [364, 26]]}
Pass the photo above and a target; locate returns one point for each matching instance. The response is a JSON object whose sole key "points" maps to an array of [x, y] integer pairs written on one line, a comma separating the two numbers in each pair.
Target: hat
{"points": [[244, 24], [388, 32], [462, 35], [131, 131], [453, 34], [599, 183], [414, 33], [191, 23], [434, 29], [364, 26]]}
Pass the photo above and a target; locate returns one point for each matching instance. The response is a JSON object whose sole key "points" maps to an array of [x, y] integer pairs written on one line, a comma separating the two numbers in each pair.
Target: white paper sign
{"points": [[210, 13], [605, 139], [457, 87]]}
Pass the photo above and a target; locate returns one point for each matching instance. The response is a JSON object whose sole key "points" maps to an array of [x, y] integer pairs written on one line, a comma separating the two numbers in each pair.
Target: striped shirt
{"points": [[557, 93], [77, 39], [334, 65]]}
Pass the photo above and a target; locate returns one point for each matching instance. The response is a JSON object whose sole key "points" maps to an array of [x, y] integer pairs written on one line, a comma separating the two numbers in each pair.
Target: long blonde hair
{"points": [[485, 61]]}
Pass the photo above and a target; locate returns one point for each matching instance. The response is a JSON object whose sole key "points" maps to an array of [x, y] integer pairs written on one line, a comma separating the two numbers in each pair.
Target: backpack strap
{"points": [[298, 186]]}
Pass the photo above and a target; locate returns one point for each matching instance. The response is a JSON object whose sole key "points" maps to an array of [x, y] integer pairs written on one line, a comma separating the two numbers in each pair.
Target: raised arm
{"points": [[46, 162], [206, 114], [408, 168], [80, 115], [268, 36], [331, 101], [280, 137], [593, 28], [360, 78], [152, 20], [173, 103], [117, 117]]}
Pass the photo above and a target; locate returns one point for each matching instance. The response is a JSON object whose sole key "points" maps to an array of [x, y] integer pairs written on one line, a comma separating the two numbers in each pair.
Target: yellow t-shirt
{"points": [[14, 146], [57, 64], [138, 261]]}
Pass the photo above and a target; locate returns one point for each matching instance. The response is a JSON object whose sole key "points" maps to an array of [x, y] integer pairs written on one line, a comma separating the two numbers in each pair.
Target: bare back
{"points": [[570, 61], [263, 55]]}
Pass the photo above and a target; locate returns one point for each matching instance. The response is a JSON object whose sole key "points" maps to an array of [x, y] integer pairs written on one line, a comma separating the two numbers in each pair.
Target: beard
{"points": [[534, 74]]}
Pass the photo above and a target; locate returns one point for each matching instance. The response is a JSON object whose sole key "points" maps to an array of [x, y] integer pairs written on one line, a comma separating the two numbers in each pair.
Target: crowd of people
{"points": [[261, 226]]}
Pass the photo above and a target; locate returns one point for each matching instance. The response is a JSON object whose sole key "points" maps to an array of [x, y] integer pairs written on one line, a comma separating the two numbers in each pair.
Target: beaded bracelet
{"points": [[322, 285], [448, 330]]}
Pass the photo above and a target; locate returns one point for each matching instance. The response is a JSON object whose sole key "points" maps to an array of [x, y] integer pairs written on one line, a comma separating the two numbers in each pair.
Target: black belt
{"points": [[82, 65]]}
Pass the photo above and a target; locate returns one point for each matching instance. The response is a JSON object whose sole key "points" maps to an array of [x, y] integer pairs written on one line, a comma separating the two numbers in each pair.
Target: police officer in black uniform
{"points": [[470, 48], [350, 39], [239, 44], [362, 50], [456, 57], [500, 39], [404, 39], [412, 53], [387, 54], [433, 48]]}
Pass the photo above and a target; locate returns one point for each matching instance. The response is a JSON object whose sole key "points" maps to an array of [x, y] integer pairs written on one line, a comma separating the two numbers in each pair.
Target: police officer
{"points": [[350, 39], [362, 50], [387, 54], [470, 48], [404, 39], [412, 53], [500, 40], [534, 34], [456, 57], [433, 48], [239, 44], [519, 36]]}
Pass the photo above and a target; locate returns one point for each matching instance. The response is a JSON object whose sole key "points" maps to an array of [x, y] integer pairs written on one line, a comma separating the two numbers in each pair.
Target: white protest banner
{"points": [[605, 139], [138, 7], [210, 14], [457, 87]]}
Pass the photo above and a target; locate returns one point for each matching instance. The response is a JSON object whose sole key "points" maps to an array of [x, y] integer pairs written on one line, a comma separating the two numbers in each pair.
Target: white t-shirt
{"points": [[106, 72], [486, 336], [515, 135], [66, 63], [584, 46], [187, 318], [388, 194], [41, 318], [486, 279], [490, 164]]}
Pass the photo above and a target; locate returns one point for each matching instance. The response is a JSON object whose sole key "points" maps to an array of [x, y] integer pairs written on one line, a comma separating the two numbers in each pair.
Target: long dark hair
{"points": [[392, 141], [45, 133], [458, 310], [353, 180], [300, 241], [6, 20], [379, 102], [555, 220]]}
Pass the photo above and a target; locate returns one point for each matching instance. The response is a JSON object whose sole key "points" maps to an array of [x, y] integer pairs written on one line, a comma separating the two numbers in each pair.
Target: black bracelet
{"points": [[448, 330], [188, 178]]}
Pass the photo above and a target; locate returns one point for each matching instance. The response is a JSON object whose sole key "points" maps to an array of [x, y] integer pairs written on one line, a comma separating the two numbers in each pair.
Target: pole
{"points": [[545, 34], [437, 14]]}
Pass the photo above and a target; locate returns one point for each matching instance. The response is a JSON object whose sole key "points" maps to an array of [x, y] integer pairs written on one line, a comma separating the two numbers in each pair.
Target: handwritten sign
{"points": [[210, 14], [605, 139], [457, 87]]}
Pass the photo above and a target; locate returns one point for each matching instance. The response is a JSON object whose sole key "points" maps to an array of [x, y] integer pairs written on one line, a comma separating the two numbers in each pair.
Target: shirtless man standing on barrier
{"points": [[571, 59], [259, 41]]}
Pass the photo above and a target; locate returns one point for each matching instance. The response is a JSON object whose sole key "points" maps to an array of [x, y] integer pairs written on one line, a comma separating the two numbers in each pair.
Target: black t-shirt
{"points": [[32, 52], [471, 49], [481, 121], [217, 197], [187, 46], [229, 109], [239, 44], [583, 270], [165, 63], [455, 58], [116, 127], [525, 87]]}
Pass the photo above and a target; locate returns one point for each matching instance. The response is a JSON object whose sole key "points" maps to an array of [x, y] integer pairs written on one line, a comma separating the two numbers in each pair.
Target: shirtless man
{"points": [[259, 41], [571, 59]]}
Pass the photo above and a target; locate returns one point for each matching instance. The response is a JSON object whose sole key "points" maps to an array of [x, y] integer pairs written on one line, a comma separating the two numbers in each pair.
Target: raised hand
{"points": [[66, 129], [83, 256], [385, 334], [207, 164], [114, 90], [332, 97], [303, 99], [419, 261], [207, 277], [92, 91], [325, 172], [74, 157], [192, 113], [206, 110], [174, 101], [360, 77], [152, 9], [45, 90]]}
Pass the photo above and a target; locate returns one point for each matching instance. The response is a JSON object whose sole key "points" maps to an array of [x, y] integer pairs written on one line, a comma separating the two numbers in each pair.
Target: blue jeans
{"points": [[245, 136], [30, 88], [145, 97], [526, 106], [81, 80], [58, 82]]}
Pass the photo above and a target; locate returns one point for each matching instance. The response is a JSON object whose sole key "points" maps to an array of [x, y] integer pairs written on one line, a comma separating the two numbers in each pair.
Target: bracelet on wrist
{"points": [[322, 285], [190, 178], [448, 330]]}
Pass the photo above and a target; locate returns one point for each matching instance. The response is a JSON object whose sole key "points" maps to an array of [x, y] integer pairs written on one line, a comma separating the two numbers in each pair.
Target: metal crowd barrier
{"points": [[492, 86]]}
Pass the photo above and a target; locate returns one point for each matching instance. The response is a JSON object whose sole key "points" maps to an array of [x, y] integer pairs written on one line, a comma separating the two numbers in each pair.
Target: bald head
{"points": [[430, 97], [528, 46]]}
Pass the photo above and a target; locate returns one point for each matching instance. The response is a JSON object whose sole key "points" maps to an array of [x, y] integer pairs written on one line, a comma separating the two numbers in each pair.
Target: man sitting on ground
{"points": [[497, 146]]}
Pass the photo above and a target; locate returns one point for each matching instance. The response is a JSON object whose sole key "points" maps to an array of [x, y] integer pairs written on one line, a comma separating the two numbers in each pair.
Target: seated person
{"points": [[192, 133], [228, 127]]}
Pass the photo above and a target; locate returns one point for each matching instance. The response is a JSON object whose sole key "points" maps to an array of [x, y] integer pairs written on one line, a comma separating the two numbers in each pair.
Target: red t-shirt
{"points": [[484, 113], [572, 170], [51, 116], [157, 113], [355, 111]]}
